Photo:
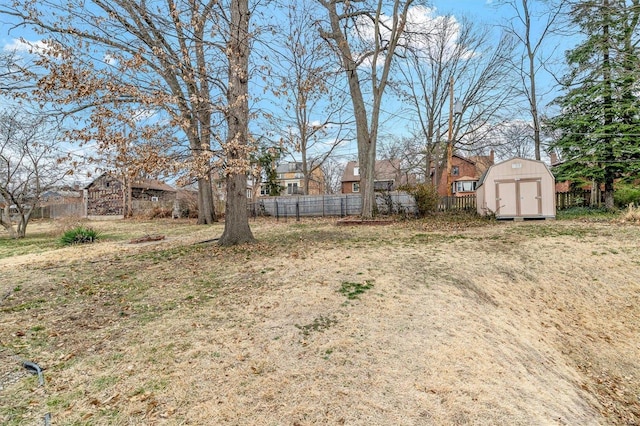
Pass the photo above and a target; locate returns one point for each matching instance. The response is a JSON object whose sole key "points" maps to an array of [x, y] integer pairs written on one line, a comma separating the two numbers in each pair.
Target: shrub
{"points": [[426, 197], [79, 235], [625, 195], [158, 212]]}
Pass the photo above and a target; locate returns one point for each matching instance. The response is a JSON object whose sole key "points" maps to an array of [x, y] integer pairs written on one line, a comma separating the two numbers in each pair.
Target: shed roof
{"points": [[486, 173]]}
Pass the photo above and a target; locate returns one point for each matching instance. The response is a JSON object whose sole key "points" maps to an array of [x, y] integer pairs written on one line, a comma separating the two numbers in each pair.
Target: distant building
{"points": [[106, 195], [291, 178], [389, 176], [465, 174]]}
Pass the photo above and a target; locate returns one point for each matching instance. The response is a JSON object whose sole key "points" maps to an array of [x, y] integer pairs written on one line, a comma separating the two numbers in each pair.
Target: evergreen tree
{"points": [[268, 160], [599, 122]]}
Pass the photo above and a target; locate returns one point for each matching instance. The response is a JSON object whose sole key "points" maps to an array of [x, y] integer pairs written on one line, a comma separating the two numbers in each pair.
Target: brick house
{"points": [[465, 174], [389, 176]]}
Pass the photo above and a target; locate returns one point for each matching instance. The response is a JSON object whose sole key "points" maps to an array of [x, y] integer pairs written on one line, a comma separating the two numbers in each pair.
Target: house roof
{"points": [[289, 167], [155, 185], [144, 184], [465, 178], [384, 170]]}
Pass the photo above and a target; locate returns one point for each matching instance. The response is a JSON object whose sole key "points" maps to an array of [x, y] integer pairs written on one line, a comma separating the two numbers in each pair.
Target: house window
{"points": [[383, 185], [154, 199], [464, 186], [292, 188], [356, 171], [355, 187], [455, 171]]}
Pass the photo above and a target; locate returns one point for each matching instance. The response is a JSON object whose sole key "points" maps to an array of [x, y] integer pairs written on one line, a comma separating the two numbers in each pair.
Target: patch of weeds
{"points": [[156, 385], [354, 290], [14, 415], [32, 304], [17, 288], [105, 382], [32, 243], [57, 402], [79, 235], [586, 213], [319, 324]]}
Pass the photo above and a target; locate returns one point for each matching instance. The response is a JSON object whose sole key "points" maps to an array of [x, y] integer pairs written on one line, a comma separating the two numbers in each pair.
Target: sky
{"points": [[484, 11]]}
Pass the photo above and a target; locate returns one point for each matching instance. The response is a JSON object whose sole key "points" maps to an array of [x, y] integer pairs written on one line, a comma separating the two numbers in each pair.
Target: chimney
{"points": [[492, 155], [553, 157]]}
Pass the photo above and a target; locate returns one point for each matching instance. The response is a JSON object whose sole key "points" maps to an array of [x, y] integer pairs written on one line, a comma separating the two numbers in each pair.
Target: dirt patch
{"points": [[414, 323]]}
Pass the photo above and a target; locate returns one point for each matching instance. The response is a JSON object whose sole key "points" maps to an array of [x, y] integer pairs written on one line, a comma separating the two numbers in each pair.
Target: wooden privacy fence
{"points": [[57, 211], [565, 200], [464, 203]]}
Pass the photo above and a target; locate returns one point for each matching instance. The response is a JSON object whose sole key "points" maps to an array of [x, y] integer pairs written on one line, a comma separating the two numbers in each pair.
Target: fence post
{"points": [[298, 210], [277, 210]]}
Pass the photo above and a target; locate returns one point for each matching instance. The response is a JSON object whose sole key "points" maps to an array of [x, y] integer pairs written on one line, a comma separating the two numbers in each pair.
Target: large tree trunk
{"points": [[206, 211], [367, 161], [236, 224], [5, 221], [608, 194], [366, 144]]}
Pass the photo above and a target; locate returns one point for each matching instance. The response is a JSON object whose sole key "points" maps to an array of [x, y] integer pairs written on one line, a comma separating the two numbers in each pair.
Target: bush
{"points": [[426, 197], [625, 195], [585, 213], [79, 235]]}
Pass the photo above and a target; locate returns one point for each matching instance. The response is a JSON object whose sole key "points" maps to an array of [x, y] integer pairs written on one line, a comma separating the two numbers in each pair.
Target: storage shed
{"points": [[517, 189]]}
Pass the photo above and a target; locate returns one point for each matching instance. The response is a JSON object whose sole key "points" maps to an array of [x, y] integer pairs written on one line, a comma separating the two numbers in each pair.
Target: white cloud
{"points": [[110, 60], [22, 45], [425, 32]]}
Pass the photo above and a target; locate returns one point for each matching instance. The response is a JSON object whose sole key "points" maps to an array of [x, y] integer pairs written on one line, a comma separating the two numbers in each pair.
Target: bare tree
{"points": [[28, 167], [15, 75], [533, 23], [362, 34], [310, 118], [333, 171], [409, 151], [456, 59], [515, 139], [104, 61]]}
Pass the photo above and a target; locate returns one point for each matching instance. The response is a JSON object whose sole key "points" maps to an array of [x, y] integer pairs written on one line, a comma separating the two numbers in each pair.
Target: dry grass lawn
{"points": [[418, 323]]}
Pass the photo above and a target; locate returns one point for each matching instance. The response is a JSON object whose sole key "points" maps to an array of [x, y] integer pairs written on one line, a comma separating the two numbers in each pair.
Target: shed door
{"points": [[529, 192], [518, 198], [506, 200]]}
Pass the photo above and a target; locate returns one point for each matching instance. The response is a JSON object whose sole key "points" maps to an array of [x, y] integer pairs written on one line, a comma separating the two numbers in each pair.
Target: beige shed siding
{"points": [[517, 188]]}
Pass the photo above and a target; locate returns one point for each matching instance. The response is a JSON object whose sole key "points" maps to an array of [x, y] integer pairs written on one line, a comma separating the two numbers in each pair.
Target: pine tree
{"points": [[599, 122]]}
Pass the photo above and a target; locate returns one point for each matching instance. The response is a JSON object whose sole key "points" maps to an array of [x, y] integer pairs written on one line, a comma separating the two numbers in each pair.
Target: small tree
{"points": [[267, 164], [28, 167], [313, 103]]}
